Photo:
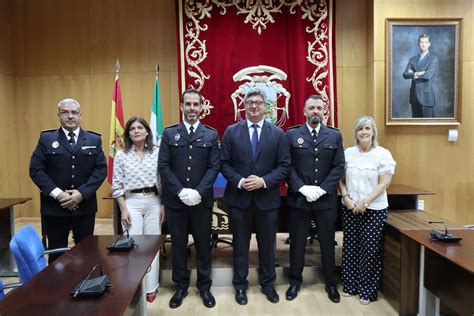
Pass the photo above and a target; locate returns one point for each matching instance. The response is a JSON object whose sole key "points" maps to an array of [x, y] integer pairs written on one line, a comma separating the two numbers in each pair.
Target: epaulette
{"points": [[331, 127], [98, 134], [174, 125], [294, 126], [211, 128], [48, 130]]}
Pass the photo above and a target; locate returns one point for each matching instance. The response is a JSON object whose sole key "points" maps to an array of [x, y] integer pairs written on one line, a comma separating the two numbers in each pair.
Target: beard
{"points": [[314, 120]]}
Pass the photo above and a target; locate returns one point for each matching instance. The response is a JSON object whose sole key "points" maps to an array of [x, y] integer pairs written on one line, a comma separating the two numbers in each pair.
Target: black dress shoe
{"points": [[271, 294], [333, 294], [292, 292], [208, 299], [177, 298], [241, 297]]}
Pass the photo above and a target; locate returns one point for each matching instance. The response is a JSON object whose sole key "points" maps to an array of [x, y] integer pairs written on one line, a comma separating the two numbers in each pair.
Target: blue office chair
{"points": [[5, 287], [28, 252]]}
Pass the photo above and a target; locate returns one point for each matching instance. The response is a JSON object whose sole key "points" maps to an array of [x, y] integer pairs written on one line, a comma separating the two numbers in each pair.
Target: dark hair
{"points": [[424, 36], [126, 134], [314, 97], [191, 91], [255, 92]]}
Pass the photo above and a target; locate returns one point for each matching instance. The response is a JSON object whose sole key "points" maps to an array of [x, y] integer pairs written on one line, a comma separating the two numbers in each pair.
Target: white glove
{"points": [[312, 192], [194, 197], [183, 195], [320, 191], [309, 193], [190, 197]]}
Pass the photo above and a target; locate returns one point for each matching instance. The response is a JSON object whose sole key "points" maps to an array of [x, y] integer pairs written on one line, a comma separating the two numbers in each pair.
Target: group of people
{"points": [[255, 156]]}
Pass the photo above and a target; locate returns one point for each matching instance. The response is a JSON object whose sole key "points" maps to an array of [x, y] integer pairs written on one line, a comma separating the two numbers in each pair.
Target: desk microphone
{"points": [[92, 287], [122, 244], [443, 236]]}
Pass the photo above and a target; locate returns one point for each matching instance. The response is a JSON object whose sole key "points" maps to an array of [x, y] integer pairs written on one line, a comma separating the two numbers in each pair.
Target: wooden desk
{"points": [[47, 293], [401, 269], [7, 230], [448, 269]]}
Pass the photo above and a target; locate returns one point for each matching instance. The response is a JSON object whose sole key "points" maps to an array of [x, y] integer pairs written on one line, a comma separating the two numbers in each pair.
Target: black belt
{"points": [[145, 190]]}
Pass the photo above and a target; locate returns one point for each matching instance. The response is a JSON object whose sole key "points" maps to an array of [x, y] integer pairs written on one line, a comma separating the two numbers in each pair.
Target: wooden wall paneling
{"points": [[353, 100], [52, 37], [351, 33], [6, 53], [139, 33], [9, 139]]}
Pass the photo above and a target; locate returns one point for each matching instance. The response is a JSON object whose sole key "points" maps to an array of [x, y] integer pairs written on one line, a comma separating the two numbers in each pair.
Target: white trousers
{"points": [[145, 212]]}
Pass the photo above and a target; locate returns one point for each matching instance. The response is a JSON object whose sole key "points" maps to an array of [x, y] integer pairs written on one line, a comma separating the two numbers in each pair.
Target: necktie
{"points": [[254, 139], [419, 60], [191, 131], [315, 135], [71, 139]]}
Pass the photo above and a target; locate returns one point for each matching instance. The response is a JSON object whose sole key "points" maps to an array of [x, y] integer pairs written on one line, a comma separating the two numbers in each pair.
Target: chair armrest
{"points": [[57, 250], [12, 285]]}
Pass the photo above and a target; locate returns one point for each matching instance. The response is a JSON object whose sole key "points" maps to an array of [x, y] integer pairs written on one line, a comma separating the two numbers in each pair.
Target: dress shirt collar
{"points": [[423, 55], [187, 125], [260, 124], [311, 129], [76, 132]]}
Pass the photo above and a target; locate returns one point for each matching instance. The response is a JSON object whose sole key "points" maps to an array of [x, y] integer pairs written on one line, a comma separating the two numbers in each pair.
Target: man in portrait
{"points": [[421, 70]]}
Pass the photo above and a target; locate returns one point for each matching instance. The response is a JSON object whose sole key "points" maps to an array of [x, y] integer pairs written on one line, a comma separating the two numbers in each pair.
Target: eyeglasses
{"points": [[67, 113], [257, 103]]}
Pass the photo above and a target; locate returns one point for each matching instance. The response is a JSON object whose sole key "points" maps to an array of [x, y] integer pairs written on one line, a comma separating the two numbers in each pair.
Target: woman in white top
{"points": [[369, 170], [136, 186]]}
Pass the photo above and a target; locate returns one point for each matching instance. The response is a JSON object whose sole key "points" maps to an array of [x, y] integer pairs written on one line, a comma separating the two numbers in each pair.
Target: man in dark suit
{"points": [[317, 157], [188, 164], [421, 70], [68, 166], [255, 158]]}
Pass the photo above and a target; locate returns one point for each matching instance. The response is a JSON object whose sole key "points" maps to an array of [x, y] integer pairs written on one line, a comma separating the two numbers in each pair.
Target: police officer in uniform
{"points": [[188, 164], [68, 166], [317, 159]]}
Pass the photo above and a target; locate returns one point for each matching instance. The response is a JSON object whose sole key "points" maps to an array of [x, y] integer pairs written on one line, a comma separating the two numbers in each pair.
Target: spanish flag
{"points": [[116, 127]]}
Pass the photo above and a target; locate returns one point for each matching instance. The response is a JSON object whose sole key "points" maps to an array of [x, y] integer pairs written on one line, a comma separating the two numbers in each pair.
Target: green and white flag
{"points": [[156, 120]]}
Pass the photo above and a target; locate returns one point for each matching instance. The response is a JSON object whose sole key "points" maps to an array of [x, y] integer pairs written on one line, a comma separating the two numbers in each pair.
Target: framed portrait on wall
{"points": [[423, 71]]}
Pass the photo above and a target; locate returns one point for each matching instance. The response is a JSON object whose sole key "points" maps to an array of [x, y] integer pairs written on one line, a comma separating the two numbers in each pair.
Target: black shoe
{"points": [[271, 294], [333, 294], [177, 298], [208, 299], [292, 292], [241, 297]]}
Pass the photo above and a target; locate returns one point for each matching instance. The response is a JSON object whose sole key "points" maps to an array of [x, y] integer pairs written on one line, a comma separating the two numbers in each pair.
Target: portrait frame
{"points": [[423, 91]]}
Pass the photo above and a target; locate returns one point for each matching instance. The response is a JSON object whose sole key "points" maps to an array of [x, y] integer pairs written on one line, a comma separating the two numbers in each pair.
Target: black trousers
{"points": [[243, 221], [197, 221], [299, 228], [57, 230]]}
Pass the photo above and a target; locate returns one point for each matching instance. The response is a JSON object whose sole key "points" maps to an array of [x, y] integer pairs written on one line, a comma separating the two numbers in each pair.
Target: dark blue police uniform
{"points": [[320, 163], [55, 164], [189, 161]]}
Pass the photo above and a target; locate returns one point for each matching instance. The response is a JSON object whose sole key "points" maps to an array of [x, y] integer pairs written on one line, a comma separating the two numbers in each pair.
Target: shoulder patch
{"points": [[331, 127], [98, 134], [174, 125], [294, 126], [48, 130], [211, 128]]}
